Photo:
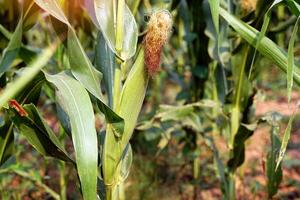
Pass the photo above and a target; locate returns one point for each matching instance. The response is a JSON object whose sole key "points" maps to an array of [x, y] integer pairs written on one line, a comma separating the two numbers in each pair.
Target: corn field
{"points": [[149, 99]]}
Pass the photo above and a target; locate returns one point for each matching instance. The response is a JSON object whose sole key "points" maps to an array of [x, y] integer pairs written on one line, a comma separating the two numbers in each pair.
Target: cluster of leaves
{"points": [[74, 84], [227, 77], [215, 45]]}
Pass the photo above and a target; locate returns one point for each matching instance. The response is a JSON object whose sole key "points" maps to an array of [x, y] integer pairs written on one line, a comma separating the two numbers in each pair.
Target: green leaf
{"points": [[82, 120], [182, 115], [241, 95], [28, 74], [5, 32], [15, 42], [6, 142], [38, 133], [219, 166], [126, 163], [178, 113], [266, 47], [274, 176], [102, 14], [63, 119], [218, 49], [238, 155], [131, 101], [132, 96], [31, 92], [52, 7], [214, 7], [81, 66], [175, 113], [105, 63], [266, 22], [12, 50], [245, 131], [290, 67], [83, 71], [293, 6], [285, 140], [25, 53]]}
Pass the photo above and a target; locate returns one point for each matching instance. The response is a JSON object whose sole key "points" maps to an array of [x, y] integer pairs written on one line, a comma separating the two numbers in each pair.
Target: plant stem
{"points": [[235, 116], [120, 26], [5, 32], [236, 109], [214, 95], [117, 87], [108, 193], [121, 191], [62, 168], [231, 186], [119, 46], [111, 190]]}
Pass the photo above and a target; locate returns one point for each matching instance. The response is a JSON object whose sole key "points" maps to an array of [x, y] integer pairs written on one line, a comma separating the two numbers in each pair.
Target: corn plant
{"points": [[99, 58], [225, 84], [125, 67]]}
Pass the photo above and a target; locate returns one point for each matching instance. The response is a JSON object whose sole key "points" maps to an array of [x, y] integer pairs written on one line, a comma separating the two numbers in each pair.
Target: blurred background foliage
{"points": [[183, 144]]}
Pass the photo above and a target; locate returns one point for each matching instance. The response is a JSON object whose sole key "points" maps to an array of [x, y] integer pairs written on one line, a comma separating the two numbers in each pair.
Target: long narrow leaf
{"points": [[274, 176], [266, 47], [105, 63], [132, 97], [81, 66], [103, 14], [290, 68], [39, 134], [293, 6], [218, 165], [11, 51], [29, 73], [263, 31], [285, 140], [29, 94], [215, 7], [76, 102], [6, 141], [52, 7]]}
